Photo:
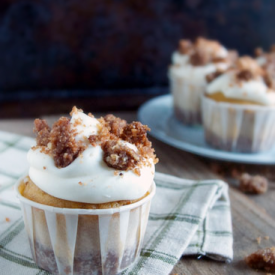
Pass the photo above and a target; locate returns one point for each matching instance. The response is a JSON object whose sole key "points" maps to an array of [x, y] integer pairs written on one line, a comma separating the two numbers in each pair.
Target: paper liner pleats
{"points": [[84, 242], [238, 127]]}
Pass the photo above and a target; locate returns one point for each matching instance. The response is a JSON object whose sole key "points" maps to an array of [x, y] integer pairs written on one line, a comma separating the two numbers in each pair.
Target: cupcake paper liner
{"points": [[238, 127], [186, 98], [85, 241]]}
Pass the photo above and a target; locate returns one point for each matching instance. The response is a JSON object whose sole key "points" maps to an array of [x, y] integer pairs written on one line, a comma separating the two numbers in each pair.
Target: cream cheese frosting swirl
{"points": [[254, 90], [183, 68], [88, 179]]}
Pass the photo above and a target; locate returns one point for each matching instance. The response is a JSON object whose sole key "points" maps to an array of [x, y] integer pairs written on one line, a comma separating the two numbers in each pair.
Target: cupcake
{"points": [[86, 198], [238, 109], [190, 64]]}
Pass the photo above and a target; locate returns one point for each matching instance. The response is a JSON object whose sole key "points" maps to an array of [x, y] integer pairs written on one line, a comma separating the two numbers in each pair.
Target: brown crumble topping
{"points": [[272, 48], [42, 131], [258, 52], [75, 111], [185, 46], [199, 59], [65, 149], [137, 171], [7, 219], [263, 259], [119, 156], [247, 69], [210, 77], [61, 144], [203, 51], [136, 133], [269, 71], [115, 124], [253, 184]]}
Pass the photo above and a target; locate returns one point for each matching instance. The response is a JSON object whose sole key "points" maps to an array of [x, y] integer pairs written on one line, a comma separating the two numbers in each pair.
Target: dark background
{"points": [[108, 54]]}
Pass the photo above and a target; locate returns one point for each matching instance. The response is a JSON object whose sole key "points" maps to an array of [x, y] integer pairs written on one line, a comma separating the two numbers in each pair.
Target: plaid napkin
{"points": [[186, 218]]}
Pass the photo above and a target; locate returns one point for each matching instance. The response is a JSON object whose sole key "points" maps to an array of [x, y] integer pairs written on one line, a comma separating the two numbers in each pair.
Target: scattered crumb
{"points": [[116, 173], [266, 237], [216, 168], [235, 173], [253, 184], [7, 219], [259, 239], [44, 167], [80, 183], [121, 174], [263, 259]]}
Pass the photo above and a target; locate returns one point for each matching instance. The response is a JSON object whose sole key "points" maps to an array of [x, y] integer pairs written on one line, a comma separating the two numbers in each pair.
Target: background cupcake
{"points": [[87, 197], [190, 65], [238, 109]]}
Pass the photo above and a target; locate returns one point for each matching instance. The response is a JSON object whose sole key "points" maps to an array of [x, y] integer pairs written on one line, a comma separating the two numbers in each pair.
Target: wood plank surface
{"points": [[252, 216]]}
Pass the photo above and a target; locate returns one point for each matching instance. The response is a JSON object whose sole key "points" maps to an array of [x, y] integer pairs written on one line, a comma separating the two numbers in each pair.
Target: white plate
{"points": [[157, 113]]}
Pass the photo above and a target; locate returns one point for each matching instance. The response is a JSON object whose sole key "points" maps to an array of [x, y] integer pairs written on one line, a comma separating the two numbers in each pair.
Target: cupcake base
{"points": [[186, 97], [85, 241], [187, 117], [237, 127]]}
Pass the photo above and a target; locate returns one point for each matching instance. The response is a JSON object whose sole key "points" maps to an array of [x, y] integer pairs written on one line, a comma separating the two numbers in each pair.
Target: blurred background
{"points": [[107, 54]]}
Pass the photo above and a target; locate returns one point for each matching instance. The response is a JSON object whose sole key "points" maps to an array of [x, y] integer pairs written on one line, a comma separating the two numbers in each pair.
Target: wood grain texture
{"points": [[253, 216]]}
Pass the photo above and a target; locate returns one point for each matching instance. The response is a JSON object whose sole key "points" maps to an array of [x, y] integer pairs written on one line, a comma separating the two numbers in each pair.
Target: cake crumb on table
{"points": [[7, 219], [259, 239], [266, 237], [253, 184], [263, 259]]}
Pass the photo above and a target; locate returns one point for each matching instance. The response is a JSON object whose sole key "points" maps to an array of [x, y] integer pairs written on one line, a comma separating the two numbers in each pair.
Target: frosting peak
{"points": [[89, 151], [200, 52]]}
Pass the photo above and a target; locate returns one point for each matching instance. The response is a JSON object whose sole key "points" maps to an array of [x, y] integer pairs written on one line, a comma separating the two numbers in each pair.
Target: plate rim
{"points": [[194, 149]]}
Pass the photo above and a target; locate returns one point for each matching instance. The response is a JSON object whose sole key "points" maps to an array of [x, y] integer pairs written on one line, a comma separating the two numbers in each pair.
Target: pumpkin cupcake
{"points": [[86, 198], [238, 109]]}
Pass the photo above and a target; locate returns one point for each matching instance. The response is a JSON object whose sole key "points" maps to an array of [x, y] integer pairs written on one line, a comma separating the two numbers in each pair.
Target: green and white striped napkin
{"points": [[186, 218]]}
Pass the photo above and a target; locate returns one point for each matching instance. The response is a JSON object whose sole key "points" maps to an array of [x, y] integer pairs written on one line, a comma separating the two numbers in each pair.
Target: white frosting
{"points": [[254, 90], [88, 179], [183, 59], [195, 74], [84, 125], [261, 60], [182, 69], [180, 59]]}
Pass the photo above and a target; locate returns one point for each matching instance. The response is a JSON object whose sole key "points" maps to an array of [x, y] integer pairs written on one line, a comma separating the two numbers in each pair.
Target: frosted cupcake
{"points": [[86, 198], [238, 109], [190, 65]]}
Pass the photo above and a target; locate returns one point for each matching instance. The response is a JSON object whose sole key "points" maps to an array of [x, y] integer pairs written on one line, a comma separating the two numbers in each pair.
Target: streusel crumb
{"points": [[42, 131], [119, 156], [263, 259], [253, 184], [248, 68], [59, 141], [115, 124], [185, 46]]}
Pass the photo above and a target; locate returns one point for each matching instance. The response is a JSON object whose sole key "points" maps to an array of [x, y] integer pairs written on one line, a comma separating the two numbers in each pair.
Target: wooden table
{"points": [[253, 216]]}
